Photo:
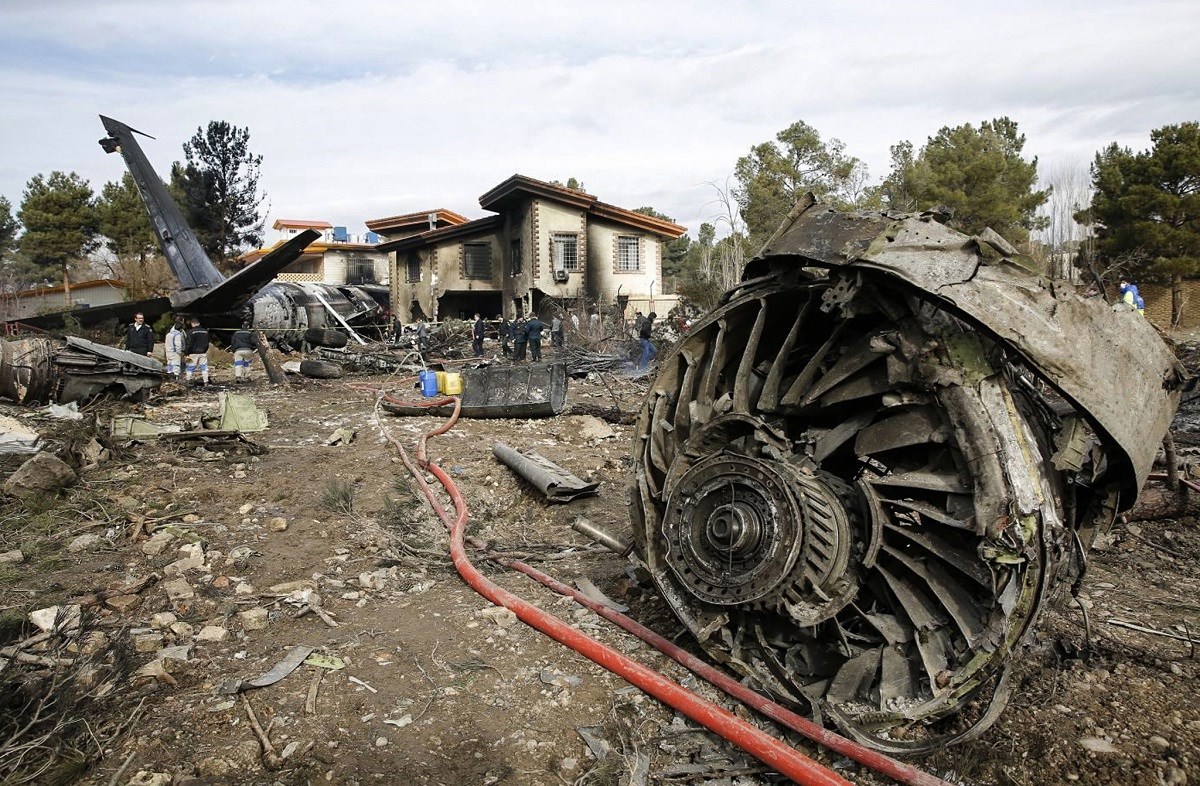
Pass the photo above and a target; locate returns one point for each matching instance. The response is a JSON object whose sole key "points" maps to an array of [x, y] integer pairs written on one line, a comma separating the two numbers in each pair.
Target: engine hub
{"points": [[743, 531]]}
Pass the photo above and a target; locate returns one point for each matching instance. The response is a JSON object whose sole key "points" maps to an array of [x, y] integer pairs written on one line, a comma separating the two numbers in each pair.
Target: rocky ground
{"points": [[182, 566]]}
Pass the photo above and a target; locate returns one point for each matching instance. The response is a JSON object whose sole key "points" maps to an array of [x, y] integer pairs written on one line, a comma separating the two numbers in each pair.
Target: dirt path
{"points": [[434, 685]]}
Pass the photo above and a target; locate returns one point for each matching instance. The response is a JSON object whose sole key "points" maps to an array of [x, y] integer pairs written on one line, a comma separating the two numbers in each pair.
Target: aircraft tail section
{"points": [[235, 291], [183, 251]]}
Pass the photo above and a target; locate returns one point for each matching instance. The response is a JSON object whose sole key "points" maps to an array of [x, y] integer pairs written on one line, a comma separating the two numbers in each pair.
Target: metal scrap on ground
{"points": [[536, 390], [555, 483]]}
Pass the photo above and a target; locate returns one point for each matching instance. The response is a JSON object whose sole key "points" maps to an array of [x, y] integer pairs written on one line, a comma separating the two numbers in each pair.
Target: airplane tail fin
{"points": [[184, 253]]}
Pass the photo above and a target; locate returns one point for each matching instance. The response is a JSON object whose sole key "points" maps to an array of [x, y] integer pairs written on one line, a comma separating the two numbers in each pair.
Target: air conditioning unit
{"points": [[560, 275]]}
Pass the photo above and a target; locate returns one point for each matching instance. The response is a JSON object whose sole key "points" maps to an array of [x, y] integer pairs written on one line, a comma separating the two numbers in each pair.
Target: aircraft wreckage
{"points": [[38, 371], [861, 478]]}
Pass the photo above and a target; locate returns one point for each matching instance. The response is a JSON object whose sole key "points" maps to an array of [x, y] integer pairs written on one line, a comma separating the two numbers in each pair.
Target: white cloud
{"points": [[368, 109]]}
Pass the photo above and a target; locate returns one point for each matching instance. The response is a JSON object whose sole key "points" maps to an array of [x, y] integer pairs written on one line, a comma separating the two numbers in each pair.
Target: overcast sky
{"points": [[368, 109]]}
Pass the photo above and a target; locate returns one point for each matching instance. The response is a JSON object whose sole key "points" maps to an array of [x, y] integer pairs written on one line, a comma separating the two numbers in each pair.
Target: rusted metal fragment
{"points": [[1114, 363], [37, 371], [555, 483], [537, 390]]}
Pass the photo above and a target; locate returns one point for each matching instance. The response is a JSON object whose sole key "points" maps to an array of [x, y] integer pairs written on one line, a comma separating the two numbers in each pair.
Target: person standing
{"points": [[534, 327], [477, 336], [648, 350], [139, 338], [195, 348], [556, 331], [422, 334], [242, 347], [505, 335], [575, 322], [174, 349], [520, 337], [638, 319]]}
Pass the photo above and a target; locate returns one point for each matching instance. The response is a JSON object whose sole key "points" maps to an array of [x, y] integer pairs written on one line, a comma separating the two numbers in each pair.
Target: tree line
{"points": [[60, 222], [1136, 213]]}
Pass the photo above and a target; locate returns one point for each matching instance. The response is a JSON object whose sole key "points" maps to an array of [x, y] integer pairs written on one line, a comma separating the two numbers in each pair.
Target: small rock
{"points": [[1174, 776], [239, 556], [1098, 745], [1158, 744], [278, 524], [123, 603], [93, 642], [191, 518], [568, 764], [178, 589], [163, 619], [214, 767], [381, 742], [1176, 669], [147, 778], [63, 618], [220, 582], [182, 566], [244, 509], [500, 615], [180, 653], [191, 551], [254, 619], [212, 633], [83, 542], [182, 629], [41, 475], [13, 557], [243, 589], [147, 642], [373, 580], [157, 543], [288, 587]]}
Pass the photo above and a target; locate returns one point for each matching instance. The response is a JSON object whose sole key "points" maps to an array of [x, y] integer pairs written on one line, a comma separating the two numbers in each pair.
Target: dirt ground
{"points": [[425, 682]]}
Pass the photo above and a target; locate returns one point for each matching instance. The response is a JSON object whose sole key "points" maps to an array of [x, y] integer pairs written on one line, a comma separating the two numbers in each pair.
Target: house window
{"points": [[565, 252], [518, 264], [413, 264], [477, 260], [360, 270], [629, 254]]}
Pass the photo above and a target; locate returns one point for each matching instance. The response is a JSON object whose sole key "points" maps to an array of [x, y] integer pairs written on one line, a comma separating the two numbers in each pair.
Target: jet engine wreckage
{"points": [[860, 479]]}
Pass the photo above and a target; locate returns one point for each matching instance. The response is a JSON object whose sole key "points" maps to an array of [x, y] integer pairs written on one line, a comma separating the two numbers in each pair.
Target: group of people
{"points": [[187, 344], [525, 335]]}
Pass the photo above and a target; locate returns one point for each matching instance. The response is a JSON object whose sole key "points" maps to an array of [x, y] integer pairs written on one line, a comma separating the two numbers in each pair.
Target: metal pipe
{"points": [[603, 537]]}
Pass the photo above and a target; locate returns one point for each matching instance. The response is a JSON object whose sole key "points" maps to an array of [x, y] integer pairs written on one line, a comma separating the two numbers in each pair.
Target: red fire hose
{"points": [[759, 744]]}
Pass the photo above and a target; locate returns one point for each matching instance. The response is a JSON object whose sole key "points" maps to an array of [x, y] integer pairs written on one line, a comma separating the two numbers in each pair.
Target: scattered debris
{"points": [[280, 670], [38, 371], [556, 483], [238, 412], [341, 436], [16, 437], [593, 593]]}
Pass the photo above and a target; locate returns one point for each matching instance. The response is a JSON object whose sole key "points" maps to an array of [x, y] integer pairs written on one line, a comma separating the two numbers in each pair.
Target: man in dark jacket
{"points": [[195, 351], [139, 338], [505, 328], [534, 328], [243, 349], [477, 336], [520, 336], [648, 350]]}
